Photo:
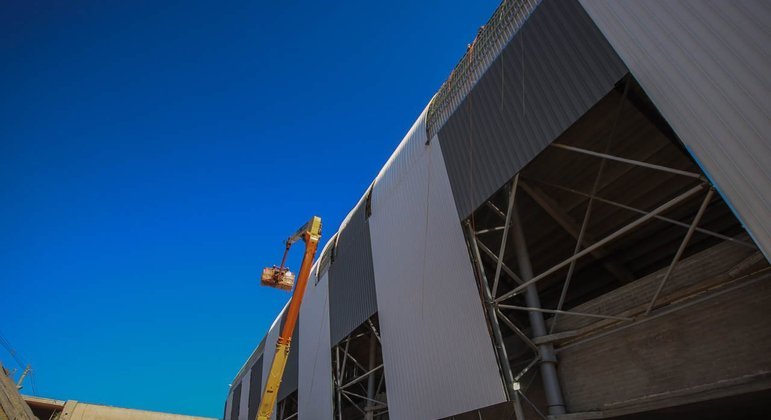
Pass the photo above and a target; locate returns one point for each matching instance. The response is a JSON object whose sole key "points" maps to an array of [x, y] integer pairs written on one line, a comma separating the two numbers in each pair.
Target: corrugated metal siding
{"points": [[289, 381], [437, 353], [704, 64], [255, 385], [489, 43], [554, 69], [315, 365], [402, 159], [236, 403], [243, 410], [351, 278]]}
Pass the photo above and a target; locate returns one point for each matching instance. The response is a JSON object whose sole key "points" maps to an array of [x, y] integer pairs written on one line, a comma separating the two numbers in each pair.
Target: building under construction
{"points": [[577, 226]]}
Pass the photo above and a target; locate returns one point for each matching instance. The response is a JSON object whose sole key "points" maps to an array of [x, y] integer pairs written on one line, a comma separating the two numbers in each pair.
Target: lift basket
{"points": [[278, 278]]}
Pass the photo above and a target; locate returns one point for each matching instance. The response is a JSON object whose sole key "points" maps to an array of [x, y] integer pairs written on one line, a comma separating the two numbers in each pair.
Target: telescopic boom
{"points": [[280, 277]]}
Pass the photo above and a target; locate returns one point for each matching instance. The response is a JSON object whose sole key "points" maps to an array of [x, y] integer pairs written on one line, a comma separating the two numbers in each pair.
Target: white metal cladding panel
{"points": [[315, 365], [705, 65], [437, 351], [270, 351], [243, 412], [395, 169]]}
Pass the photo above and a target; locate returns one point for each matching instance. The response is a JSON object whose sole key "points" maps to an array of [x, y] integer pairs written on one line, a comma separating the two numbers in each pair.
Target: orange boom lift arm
{"points": [[280, 277]]}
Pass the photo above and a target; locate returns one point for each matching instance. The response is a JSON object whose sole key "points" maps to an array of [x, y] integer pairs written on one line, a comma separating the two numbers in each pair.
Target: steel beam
{"points": [[681, 249], [533, 406], [493, 229], [522, 336], [629, 161], [353, 359], [571, 226], [344, 369], [518, 413], [374, 331], [495, 209], [502, 249], [282, 410], [345, 355], [636, 210], [620, 232], [352, 403], [353, 394], [492, 255], [361, 377], [380, 384], [561, 312], [500, 349], [527, 368]]}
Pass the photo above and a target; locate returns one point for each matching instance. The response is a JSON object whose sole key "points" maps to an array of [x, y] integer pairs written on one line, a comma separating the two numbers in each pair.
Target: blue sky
{"points": [[153, 156]]}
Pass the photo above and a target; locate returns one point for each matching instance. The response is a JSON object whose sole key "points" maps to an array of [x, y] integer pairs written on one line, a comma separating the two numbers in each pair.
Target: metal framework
{"points": [[523, 283], [287, 408], [358, 388]]}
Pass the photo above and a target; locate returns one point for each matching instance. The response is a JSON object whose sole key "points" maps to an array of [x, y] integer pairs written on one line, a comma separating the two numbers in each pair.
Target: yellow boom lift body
{"points": [[280, 277]]}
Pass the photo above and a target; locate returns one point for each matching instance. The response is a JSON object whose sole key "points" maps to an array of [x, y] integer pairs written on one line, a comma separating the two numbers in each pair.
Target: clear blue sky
{"points": [[153, 156]]}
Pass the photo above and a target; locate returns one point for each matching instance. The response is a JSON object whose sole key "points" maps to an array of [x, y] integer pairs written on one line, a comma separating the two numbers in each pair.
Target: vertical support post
{"points": [[338, 384], [500, 349], [371, 379], [498, 265], [538, 326]]}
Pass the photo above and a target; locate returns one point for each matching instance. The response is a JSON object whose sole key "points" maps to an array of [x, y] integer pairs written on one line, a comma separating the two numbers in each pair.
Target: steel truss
{"points": [[524, 283], [358, 387]]}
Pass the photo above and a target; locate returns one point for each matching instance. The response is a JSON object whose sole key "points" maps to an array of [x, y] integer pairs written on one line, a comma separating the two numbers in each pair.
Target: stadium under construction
{"points": [[576, 226]]}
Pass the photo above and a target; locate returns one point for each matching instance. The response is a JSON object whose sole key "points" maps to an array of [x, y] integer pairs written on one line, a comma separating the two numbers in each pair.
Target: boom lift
{"points": [[280, 277]]}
